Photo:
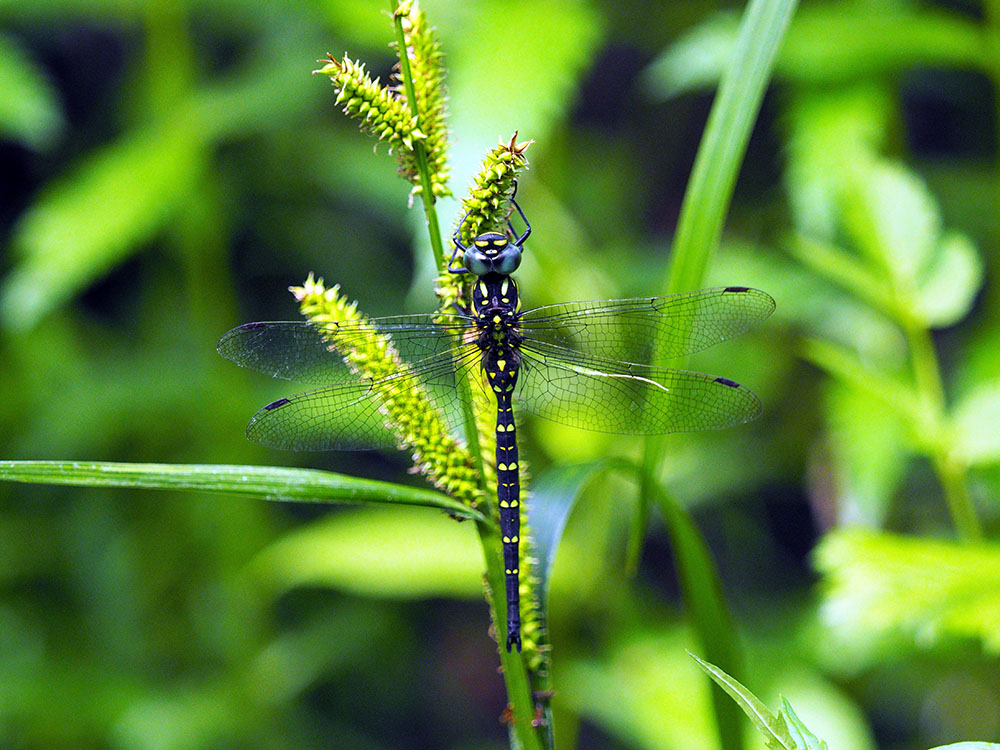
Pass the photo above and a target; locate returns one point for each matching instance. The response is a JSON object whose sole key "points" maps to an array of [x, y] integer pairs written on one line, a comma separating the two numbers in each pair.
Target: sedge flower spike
{"points": [[409, 413]]}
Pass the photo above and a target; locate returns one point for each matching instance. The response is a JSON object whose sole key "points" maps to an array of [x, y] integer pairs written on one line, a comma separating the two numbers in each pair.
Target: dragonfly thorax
{"points": [[492, 252]]}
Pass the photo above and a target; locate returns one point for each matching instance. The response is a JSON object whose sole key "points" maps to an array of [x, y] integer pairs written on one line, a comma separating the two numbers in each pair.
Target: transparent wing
{"points": [[298, 350], [605, 396], [352, 415], [627, 329]]}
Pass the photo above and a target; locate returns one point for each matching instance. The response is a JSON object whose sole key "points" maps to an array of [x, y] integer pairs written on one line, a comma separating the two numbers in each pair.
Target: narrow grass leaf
{"points": [[267, 482], [553, 496], [828, 44], [724, 143]]}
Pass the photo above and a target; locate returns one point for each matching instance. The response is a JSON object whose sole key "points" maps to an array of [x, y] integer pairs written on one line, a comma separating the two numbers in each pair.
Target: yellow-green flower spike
{"points": [[409, 413], [426, 65], [489, 204], [380, 112]]}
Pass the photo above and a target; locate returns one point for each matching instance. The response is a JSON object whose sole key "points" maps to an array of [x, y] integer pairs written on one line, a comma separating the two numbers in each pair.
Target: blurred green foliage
{"points": [[171, 168]]}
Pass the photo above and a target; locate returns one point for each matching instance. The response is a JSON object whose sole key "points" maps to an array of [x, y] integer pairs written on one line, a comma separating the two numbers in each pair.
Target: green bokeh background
{"points": [[170, 168]]}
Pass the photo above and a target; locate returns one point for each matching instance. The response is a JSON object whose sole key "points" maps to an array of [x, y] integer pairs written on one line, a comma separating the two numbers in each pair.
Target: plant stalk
{"points": [[515, 673], [419, 152], [951, 474]]}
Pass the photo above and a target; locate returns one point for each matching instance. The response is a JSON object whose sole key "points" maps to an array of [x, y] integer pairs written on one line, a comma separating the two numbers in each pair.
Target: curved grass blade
{"points": [[553, 497], [277, 484]]}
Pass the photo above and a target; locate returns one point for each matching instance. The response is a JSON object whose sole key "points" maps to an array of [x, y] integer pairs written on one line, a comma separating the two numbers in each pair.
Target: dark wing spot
{"points": [[737, 289], [277, 404], [251, 326], [721, 381]]}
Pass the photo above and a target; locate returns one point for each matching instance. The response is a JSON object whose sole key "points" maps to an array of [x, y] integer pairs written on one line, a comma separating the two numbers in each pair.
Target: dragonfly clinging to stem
{"points": [[584, 364]]}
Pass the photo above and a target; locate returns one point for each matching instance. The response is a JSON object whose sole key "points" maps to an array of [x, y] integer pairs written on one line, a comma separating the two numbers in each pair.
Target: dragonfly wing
{"points": [[341, 417], [311, 353], [355, 414], [615, 397], [628, 329]]}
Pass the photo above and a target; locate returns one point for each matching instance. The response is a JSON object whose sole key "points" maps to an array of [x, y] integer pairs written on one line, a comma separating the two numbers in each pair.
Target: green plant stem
{"points": [[419, 152], [952, 475], [515, 672]]}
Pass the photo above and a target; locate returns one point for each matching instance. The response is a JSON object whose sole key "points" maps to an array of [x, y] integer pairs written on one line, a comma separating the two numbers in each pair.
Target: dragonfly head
{"points": [[492, 252]]}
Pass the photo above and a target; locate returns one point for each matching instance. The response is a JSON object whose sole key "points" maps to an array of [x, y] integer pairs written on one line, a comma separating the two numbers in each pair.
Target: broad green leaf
{"points": [[975, 423], [926, 591], [893, 219], [29, 108], [553, 496], [830, 132], [98, 214], [846, 366], [264, 482], [803, 738], [774, 728], [402, 553], [948, 287]]}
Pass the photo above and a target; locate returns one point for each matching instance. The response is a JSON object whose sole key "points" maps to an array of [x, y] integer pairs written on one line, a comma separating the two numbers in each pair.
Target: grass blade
{"points": [[268, 482]]}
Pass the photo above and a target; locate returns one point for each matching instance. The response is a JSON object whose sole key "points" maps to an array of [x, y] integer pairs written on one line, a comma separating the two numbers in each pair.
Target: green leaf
{"points": [[804, 739], [948, 287], [925, 591], [846, 366], [553, 496], [830, 132], [695, 60], [840, 41], [401, 553], [699, 581], [29, 107], [969, 746], [774, 728], [893, 219], [264, 482], [828, 43], [97, 215], [975, 422], [642, 689], [723, 145]]}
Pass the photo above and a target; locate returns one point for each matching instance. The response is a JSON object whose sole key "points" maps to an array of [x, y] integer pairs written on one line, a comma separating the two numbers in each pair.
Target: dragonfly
{"points": [[583, 364]]}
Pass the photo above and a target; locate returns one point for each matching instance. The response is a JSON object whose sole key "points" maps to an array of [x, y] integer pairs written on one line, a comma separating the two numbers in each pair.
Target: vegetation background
{"points": [[170, 168]]}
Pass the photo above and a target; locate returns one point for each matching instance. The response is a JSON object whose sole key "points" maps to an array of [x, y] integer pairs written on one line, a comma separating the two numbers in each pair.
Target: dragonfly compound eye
{"points": [[476, 262], [508, 260]]}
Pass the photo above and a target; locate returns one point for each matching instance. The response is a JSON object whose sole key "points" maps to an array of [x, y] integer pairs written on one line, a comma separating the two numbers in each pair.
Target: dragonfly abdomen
{"points": [[509, 499]]}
